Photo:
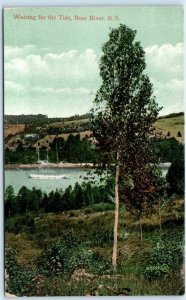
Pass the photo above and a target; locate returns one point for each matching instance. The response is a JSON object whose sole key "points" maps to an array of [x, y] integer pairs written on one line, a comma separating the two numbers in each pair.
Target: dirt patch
{"points": [[13, 129]]}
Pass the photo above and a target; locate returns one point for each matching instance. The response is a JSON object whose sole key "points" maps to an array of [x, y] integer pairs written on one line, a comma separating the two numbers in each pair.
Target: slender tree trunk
{"points": [[159, 211], [141, 230], [114, 255]]}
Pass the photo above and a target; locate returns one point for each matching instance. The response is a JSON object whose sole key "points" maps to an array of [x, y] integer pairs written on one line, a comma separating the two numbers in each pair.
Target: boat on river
{"points": [[47, 176]]}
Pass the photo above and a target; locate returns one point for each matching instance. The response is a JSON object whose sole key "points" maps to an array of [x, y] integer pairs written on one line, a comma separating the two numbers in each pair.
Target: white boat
{"points": [[46, 175]]}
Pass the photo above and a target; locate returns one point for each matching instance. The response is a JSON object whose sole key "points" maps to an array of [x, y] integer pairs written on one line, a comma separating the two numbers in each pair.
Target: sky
{"points": [[51, 56]]}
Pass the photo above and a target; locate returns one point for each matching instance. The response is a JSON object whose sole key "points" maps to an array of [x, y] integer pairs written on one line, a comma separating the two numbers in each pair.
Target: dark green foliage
{"points": [[35, 201], [25, 119], [20, 280], [9, 201], [123, 120], [101, 207], [168, 150], [52, 260], [70, 238], [101, 236], [60, 259], [20, 223], [19, 156], [175, 177], [74, 149], [165, 257], [80, 243]]}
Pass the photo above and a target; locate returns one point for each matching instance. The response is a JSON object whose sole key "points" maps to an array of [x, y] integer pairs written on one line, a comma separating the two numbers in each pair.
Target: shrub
{"points": [[175, 177], [51, 262], [167, 255], [70, 238], [101, 236], [20, 280]]}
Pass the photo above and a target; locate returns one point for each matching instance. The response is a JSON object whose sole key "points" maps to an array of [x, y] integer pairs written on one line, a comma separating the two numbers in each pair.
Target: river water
{"points": [[20, 177]]}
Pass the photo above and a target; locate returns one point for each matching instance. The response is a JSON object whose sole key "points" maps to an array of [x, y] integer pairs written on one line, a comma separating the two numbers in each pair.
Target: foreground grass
{"points": [[87, 269]]}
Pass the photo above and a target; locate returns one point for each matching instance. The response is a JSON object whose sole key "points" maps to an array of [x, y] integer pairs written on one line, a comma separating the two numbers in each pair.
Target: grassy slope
{"points": [[66, 123], [173, 125], [131, 258], [50, 138]]}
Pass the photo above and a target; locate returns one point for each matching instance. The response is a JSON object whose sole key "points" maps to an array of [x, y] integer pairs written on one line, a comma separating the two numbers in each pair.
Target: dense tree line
{"points": [[40, 118], [25, 119], [168, 150], [34, 200], [173, 115], [20, 156], [74, 149]]}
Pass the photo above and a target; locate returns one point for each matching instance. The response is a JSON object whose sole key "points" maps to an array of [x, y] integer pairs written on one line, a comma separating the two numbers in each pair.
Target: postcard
{"points": [[94, 151]]}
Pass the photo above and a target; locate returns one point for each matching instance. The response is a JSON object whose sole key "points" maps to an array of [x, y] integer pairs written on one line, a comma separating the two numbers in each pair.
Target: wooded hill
{"points": [[166, 127]]}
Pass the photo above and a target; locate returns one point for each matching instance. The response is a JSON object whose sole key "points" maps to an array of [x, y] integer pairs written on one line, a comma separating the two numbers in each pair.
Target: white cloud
{"points": [[171, 85], [166, 59], [11, 52], [65, 91], [70, 76], [11, 86], [51, 69], [177, 107]]}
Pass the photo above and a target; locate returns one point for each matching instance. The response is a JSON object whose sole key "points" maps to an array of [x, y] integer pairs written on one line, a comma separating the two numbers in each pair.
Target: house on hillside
{"points": [[32, 137]]}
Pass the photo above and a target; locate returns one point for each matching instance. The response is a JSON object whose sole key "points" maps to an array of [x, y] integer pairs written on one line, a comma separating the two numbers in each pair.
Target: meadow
{"points": [[69, 253]]}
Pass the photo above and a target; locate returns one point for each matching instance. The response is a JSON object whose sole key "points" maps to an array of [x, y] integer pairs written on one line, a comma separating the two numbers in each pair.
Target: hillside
{"points": [[173, 125], [167, 127], [13, 129]]}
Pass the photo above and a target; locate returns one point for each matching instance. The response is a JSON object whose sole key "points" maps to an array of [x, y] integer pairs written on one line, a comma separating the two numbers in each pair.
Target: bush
{"points": [[175, 178], [20, 280], [70, 238], [167, 255], [51, 262], [101, 236], [20, 223]]}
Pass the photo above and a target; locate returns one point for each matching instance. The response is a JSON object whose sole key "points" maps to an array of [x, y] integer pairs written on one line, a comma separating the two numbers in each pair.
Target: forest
{"points": [[78, 150]]}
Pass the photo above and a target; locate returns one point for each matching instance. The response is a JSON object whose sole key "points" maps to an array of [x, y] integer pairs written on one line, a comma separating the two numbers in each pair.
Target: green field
{"points": [[74, 251], [173, 125], [69, 123]]}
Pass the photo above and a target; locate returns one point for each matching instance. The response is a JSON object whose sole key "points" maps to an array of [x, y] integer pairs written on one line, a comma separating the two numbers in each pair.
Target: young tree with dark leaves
{"points": [[123, 117]]}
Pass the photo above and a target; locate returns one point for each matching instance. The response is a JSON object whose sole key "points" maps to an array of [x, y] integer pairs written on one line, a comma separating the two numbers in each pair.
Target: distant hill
{"points": [[171, 126], [172, 115], [166, 126], [39, 118], [25, 119]]}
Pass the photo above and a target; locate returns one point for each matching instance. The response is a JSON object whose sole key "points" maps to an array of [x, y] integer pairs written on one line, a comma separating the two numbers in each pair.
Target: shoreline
{"points": [[48, 165]]}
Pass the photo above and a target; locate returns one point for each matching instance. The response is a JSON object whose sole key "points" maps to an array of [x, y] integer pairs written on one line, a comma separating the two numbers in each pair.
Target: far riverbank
{"points": [[48, 165]]}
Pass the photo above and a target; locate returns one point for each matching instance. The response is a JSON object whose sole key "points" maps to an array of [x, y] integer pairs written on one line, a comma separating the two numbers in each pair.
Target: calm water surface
{"points": [[19, 178]]}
